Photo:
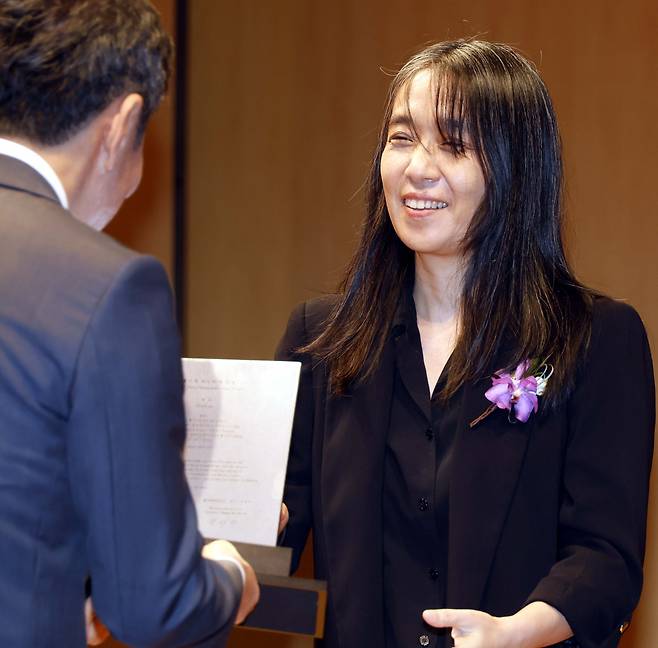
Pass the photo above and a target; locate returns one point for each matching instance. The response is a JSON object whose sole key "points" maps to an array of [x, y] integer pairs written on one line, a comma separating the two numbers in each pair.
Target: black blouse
{"points": [[415, 495]]}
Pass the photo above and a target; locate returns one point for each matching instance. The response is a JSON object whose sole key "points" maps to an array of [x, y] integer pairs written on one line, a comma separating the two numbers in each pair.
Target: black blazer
{"points": [[551, 510]]}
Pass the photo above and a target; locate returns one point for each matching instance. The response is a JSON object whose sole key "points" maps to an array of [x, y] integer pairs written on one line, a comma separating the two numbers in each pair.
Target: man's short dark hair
{"points": [[63, 61]]}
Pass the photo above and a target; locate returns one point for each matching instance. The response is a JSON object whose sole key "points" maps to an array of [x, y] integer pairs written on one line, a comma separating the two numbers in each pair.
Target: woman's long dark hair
{"points": [[519, 295]]}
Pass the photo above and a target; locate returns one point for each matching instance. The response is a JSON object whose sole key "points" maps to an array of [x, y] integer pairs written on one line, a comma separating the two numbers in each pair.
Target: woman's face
{"points": [[431, 192]]}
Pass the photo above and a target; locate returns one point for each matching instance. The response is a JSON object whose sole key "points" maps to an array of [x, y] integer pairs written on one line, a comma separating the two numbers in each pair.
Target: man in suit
{"points": [[92, 424]]}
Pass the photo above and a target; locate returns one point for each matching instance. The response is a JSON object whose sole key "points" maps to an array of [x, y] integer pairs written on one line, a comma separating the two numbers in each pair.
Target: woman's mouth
{"points": [[422, 205]]}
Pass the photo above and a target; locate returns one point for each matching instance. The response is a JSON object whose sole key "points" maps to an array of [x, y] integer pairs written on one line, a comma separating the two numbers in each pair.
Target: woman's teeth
{"points": [[424, 204]]}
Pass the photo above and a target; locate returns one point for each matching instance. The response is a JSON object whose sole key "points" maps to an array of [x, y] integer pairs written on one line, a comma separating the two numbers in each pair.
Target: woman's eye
{"points": [[457, 147], [399, 138]]}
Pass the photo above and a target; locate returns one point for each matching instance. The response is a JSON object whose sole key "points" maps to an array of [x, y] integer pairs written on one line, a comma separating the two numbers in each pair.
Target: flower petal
{"points": [[521, 369], [529, 384], [524, 406], [500, 394]]}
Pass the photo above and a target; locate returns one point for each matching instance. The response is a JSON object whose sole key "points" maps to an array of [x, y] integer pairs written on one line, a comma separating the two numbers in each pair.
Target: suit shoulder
{"points": [[305, 323], [317, 311], [618, 338], [612, 317], [312, 314], [91, 247], [56, 270], [44, 230], [97, 256]]}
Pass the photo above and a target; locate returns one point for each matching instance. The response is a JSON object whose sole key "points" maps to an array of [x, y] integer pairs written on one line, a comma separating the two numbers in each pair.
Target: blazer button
{"points": [[423, 504], [429, 433], [434, 573], [424, 640]]}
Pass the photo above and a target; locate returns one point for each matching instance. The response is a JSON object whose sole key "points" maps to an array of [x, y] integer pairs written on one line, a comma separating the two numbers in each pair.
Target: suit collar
{"points": [[20, 176]]}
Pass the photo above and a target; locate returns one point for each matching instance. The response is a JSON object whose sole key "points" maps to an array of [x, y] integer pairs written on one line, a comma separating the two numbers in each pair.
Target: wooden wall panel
{"points": [[285, 100]]}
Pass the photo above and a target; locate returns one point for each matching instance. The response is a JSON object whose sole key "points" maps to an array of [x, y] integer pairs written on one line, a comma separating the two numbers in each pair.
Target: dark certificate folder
{"points": [[287, 605]]}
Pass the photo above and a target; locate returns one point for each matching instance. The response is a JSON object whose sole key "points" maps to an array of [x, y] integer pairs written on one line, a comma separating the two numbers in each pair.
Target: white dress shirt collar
{"points": [[34, 160]]}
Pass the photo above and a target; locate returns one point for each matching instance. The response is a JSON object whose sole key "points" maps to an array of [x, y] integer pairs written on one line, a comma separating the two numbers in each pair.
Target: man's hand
{"points": [[219, 549], [97, 633], [284, 516]]}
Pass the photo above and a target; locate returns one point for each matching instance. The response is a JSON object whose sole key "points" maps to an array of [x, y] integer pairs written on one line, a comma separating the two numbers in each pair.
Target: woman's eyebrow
{"points": [[400, 120], [451, 125], [446, 125]]}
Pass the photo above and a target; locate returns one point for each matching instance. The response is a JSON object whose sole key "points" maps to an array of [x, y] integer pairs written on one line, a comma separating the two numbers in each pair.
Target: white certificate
{"points": [[239, 419]]}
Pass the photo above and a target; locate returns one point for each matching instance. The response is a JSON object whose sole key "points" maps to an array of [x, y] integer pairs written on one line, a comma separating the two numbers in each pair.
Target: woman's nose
{"points": [[424, 165]]}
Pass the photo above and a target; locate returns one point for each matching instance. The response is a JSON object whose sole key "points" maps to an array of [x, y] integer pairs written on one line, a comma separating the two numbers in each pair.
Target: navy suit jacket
{"points": [[552, 510], [91, 437]]}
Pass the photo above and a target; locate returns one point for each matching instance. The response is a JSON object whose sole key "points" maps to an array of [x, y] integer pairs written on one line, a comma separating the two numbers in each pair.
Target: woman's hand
{"points": [[537, 624], [472, 628], [283, 517]]}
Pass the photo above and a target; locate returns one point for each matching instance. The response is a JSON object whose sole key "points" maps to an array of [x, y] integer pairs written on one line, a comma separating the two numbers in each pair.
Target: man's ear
{"points": [[123, 127]]}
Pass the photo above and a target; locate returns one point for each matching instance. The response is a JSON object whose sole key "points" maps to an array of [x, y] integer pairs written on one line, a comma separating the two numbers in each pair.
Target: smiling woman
{"points": [[465, 463]]}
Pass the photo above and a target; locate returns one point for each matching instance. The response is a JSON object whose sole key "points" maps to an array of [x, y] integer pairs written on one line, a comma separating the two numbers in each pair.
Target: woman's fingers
{"points": [[470, 628], [449, 618], [283, 517]]}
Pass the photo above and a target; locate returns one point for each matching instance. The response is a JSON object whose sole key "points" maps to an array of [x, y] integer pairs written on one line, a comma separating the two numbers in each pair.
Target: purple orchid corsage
{"points": [[517, 393]]}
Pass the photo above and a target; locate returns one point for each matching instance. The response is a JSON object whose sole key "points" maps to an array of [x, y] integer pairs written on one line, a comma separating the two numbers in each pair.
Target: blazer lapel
{"points": [[485, 470], [352, 474]]}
